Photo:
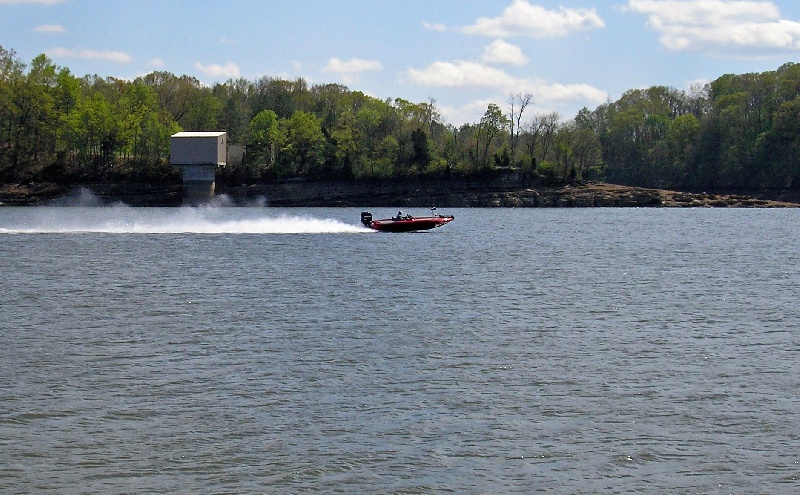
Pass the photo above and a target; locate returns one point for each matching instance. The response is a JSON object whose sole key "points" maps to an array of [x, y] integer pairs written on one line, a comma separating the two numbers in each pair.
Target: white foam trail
{"points": [[78, 197], [177, 221]]}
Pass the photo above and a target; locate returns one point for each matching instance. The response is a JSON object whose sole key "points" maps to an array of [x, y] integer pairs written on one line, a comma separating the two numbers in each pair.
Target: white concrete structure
{"points": [[198, 154]]}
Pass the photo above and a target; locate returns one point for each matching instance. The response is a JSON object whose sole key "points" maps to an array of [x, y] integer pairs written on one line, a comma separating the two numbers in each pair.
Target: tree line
{"points": [[737, 131]]}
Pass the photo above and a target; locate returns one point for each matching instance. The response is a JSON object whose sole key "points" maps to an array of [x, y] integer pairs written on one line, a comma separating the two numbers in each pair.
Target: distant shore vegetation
{"points": [[738, 131]]}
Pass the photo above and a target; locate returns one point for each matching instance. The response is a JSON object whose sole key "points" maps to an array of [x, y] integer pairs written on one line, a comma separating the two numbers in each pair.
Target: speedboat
{"points": [[405, 223]]}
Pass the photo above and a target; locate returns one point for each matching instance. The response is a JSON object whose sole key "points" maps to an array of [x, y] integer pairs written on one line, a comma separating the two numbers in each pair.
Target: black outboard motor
{"points": [[366, 218]]}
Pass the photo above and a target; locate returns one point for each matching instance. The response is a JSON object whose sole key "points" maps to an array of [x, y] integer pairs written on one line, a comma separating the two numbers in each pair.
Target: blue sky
{"points": [[462, 54]]}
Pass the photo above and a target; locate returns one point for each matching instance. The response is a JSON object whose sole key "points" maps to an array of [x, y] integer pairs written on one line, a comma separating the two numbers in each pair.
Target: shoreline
{"points": [[441, 193]]}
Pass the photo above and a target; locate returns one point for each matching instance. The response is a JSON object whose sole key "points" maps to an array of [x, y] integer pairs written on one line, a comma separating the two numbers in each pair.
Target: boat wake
{"points": [[124, 220]]}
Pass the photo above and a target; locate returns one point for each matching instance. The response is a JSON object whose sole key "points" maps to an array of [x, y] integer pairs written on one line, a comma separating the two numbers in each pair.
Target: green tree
{"points": [[518, 102], [302, 153], [145, 127], [235, 102], [281, 96], [368, 120], [781, 148], [387, 158], [539, 137], [350, 153], [422, 150], [579, 154], [28, 112], [90, 130], [12, 74], [203, 113], [492, 124], [264, 137], [682, 144]]}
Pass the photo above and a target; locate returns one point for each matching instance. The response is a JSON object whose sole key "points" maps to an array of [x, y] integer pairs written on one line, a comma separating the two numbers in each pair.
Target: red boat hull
{"points": [[407, 224]]}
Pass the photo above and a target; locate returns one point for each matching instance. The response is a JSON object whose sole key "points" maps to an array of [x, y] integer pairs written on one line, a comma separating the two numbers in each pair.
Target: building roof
{"points": [[197, 134]]}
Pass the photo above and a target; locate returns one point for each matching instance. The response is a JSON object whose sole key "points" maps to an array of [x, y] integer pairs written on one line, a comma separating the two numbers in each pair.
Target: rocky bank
{"points": [[502, 192], [490, 193]]}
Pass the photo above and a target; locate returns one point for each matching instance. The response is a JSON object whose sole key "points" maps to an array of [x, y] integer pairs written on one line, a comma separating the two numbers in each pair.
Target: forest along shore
{"points": [[441, 193]]}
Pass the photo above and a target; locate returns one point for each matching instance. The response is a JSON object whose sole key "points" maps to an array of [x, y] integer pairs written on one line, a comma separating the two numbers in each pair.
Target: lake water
{"points": [[270, 351]]}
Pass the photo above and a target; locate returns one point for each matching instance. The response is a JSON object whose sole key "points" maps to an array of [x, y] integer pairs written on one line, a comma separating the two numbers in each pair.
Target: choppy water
{"points": [[252, 350]]}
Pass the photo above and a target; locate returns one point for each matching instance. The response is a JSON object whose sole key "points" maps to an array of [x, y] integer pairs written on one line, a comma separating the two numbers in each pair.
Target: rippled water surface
{"points": [[259, 350]]}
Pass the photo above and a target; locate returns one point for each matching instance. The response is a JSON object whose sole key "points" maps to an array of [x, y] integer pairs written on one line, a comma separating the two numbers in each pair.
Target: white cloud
{"points": [[502, 52], [156, 63], [352, 66], [562, 93], [227, 71], [719, 26], [431, 26], [466, 74], [50, 28], [470, 112], [107, 55], [460, 74], [350, 70], [521, 18]]}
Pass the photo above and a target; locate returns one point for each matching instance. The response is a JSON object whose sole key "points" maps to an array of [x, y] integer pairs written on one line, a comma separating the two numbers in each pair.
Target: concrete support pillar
{"points": [[198, 192], [198, 182]]}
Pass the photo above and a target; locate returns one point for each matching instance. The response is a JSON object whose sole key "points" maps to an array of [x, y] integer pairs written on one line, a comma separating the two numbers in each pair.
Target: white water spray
{"points": [[205, 220]]}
